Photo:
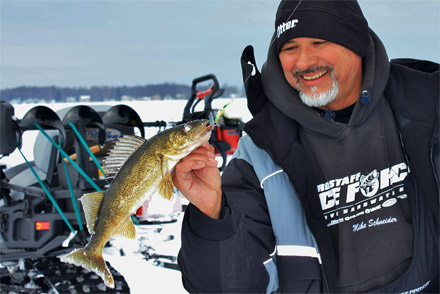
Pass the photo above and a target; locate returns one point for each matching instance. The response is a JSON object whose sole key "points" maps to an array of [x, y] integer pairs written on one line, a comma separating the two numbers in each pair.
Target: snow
{"points": [[140, 260], [141, 273]]}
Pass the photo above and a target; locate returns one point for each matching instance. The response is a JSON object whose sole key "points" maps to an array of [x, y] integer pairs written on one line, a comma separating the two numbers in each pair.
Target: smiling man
{"points": [[314, 66], [335, 188]]}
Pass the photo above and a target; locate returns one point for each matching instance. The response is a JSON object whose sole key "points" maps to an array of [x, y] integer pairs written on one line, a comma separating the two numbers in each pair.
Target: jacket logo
{"points": [[285, 26], [355, 195], [369, 184]]}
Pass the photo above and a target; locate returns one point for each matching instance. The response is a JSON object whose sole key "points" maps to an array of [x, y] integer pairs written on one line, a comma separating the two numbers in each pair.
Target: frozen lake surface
{"points": [[147, 275]]}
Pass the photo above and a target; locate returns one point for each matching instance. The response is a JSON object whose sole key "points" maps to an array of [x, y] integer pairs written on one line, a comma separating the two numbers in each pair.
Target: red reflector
{"points": [[42, 226]]}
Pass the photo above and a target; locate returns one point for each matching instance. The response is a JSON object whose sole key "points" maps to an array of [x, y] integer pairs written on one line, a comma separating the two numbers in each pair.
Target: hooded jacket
{"points": [[271, 236]]}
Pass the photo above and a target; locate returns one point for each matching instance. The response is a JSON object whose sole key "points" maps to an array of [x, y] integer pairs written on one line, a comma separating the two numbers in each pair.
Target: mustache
{"points": [[298, 72]]}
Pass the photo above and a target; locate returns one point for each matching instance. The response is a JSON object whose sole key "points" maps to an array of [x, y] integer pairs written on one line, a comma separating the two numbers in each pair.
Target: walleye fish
{"points": [[140, 168]]}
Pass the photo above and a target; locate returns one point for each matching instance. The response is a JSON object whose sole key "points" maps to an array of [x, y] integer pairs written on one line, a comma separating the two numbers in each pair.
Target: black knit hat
{"points": [[341, 22]]}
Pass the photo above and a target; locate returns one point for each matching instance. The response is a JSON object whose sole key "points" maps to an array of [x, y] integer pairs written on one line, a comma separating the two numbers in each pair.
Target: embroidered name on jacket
{"points": [[285, 26], [346, 198]]}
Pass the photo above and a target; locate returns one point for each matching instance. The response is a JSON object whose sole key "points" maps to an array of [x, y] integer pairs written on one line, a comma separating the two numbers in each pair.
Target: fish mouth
{"points": [[209, 127], [204, 131]]}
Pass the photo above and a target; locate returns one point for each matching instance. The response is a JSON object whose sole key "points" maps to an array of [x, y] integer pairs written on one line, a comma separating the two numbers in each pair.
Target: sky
{"points": [[85, 43]]}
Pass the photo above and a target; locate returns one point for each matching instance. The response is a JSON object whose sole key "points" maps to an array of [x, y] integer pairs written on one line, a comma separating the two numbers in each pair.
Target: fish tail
{"points": [[91, 261]]}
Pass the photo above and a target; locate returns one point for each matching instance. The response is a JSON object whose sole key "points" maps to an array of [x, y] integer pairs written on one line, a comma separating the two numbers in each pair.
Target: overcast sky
{"points": [[113, 42]]}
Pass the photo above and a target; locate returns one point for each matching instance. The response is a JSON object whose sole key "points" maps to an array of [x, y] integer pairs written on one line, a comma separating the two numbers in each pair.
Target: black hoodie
{"points": [[358, 173]]}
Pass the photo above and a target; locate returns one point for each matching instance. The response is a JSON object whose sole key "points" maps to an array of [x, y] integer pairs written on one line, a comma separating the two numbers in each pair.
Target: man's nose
{"points": [[306, 59]]}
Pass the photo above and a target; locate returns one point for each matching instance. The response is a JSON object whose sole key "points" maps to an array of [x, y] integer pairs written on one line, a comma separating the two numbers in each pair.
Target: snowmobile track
{"points": [[50, 275]]}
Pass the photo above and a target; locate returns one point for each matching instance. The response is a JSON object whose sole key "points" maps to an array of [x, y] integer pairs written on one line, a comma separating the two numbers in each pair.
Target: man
{"points": [[335, 187]]}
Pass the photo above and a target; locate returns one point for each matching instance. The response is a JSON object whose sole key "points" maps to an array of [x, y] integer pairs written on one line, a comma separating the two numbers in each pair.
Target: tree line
{"points": [[102, 93]]}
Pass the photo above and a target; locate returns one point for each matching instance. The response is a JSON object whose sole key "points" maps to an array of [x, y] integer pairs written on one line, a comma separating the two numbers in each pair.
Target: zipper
{"points": [[324, 277]]}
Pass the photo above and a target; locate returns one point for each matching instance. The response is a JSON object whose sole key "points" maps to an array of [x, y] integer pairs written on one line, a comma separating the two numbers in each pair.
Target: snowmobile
{"points": [[41, 216], [40, 212]]}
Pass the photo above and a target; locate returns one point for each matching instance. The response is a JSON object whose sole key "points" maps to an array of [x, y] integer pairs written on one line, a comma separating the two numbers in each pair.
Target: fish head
{"points": [[185, 138]]}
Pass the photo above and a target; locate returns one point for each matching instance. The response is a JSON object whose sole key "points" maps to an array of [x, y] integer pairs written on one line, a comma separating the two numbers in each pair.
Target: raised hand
{"points": [[197, 177]]}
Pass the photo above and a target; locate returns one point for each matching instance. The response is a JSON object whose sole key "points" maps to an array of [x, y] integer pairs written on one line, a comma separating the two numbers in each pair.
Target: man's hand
{"points": [[197, 177]]}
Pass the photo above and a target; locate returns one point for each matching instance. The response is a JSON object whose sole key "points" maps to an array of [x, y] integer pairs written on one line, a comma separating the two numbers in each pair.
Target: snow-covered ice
{"points": [[146, 275]]}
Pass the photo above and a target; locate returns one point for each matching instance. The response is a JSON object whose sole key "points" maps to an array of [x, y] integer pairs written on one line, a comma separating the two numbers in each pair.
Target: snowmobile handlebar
{"points": [[208, 95]]}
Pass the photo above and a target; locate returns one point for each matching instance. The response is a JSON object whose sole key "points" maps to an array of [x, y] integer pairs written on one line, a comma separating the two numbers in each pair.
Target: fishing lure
{"points": [[221, 112]]}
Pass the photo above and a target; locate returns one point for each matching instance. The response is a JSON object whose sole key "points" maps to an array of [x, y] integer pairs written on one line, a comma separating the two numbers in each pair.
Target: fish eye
{"points": [[187, 128]]}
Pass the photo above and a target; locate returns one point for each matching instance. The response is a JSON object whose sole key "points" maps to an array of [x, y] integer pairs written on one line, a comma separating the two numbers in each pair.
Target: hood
{"points": [[376, 69]]}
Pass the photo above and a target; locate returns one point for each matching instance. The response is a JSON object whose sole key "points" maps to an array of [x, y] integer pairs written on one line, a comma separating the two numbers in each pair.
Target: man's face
{"points": [[326, 74]]}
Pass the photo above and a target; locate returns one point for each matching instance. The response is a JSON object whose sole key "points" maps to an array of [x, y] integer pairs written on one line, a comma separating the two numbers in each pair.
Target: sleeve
{"points": [[228, 255], [413, 90]]}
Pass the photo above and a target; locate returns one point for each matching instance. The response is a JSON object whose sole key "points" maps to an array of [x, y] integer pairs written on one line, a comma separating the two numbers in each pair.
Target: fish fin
{"points": [[124, 147], [91, 203], [166, 186], [163, 163], [126, 230], [91, 261]]}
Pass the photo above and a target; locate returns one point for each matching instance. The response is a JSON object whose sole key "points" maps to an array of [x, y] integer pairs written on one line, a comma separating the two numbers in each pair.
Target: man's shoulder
{"points": [[413, 89], [412, 79], [424, 66]]}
